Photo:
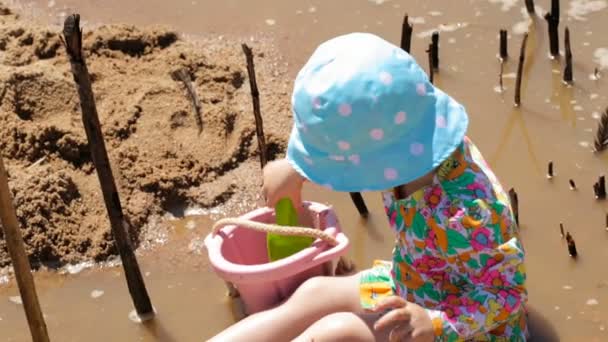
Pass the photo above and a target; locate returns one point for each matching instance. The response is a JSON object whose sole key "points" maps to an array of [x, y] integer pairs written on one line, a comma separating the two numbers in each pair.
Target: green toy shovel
{"points": [[281, 246]]}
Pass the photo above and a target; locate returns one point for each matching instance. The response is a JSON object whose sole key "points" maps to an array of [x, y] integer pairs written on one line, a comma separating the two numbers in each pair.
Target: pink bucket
{"points": [[239, 256]]}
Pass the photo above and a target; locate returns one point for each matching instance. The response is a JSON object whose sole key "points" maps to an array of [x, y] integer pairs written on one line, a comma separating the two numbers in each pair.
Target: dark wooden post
{"points": [[359, 203], [435, 49], [73, 44], [530, 7], [21, 265], [571, 245], [552, 19], [568, 77], [513, 198], [600, 186], [520, 70], [503, 45], [406, 34], [429, 51], [601, 135]]}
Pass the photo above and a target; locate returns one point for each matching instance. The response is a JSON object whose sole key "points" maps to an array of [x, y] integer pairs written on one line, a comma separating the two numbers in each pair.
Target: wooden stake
{"points": [[500, 83], [504, 54], [530, 7], [135, 282], [429, 51], [520, 70], [435, 49], [601, 135], [550, 170], [359, 203], [601, 187], [406, 34], [571, 245], [561, 229], [514, 204], [552, 19], [21, 265], [255, 95], [596, 190], [568, 78], [572, 185], [184, 76], [555, 9]]}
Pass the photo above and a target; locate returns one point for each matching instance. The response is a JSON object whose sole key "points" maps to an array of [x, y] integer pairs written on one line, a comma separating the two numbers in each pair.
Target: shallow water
{"points": [[569, 297]]}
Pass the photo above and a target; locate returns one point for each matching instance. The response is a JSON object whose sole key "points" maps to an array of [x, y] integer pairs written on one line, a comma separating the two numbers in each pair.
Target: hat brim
{"points": [[440, 131]]}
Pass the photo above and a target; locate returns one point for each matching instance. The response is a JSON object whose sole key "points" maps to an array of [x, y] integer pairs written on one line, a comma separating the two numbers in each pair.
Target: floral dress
{"points": [[458, 254]]}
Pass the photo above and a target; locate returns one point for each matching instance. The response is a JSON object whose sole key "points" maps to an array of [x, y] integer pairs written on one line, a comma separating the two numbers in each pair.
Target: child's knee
{"points": [[325, 295], [341, 326], [313, 287]]}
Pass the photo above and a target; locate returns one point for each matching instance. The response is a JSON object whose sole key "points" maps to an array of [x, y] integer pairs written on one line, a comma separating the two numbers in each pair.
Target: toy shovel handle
{"points": [[275, 229]]}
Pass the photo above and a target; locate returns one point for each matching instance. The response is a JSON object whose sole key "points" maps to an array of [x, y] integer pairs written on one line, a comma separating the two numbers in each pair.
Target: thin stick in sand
{"points": [[550, 170], [73, 44], [552, 19], [183, 76], [568, 78], [572, 184], [21, 264], [561, 229], [255, 96], [406, 34], [520, 70]]}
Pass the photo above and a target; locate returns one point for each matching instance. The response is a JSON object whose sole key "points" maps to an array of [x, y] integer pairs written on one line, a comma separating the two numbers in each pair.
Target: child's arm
{"points": [[498, 294], [280, 181]]}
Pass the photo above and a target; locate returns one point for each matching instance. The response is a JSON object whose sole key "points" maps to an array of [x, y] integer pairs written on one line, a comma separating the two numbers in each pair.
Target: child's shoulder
{"points": [[466, 173]]}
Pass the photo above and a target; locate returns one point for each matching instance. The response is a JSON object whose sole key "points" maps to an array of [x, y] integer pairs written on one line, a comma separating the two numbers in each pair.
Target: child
{"points": [[367, 119]]}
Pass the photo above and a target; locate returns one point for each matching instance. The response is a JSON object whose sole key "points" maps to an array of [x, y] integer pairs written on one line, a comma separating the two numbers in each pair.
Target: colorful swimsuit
{"points": [[458, 254]]}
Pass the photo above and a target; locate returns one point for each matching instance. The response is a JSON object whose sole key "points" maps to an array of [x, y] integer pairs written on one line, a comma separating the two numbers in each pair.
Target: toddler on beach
{"points": [[366, 118]]}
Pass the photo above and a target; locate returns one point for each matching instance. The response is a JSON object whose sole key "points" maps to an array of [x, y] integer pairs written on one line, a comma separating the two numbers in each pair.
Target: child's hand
{"points": [[411, 321], [281, 180]]}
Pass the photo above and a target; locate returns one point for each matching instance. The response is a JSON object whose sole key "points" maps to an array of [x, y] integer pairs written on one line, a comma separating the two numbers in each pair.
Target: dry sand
{"points": [[159, 160]]}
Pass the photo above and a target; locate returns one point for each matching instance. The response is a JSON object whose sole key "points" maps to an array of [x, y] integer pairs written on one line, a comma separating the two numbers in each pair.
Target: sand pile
{"points": [[159, 160]]}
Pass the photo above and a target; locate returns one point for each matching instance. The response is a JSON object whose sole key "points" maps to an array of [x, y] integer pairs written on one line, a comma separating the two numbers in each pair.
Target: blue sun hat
{"points": [[366, 117]]}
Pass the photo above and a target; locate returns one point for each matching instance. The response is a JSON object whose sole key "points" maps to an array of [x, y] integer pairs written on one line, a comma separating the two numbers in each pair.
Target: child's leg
{"points": [[344, 326], [313, 300]]}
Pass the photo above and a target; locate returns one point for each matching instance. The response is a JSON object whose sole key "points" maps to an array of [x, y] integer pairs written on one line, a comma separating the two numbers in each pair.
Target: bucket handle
{"points": [[275, 229]]}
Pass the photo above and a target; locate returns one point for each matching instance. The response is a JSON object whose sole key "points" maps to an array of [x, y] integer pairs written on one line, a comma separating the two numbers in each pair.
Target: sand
{"points": [[160, 161]]}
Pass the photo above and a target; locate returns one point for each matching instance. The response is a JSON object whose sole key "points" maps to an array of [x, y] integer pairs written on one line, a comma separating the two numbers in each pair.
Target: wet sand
{"points": [[555, 123]]}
